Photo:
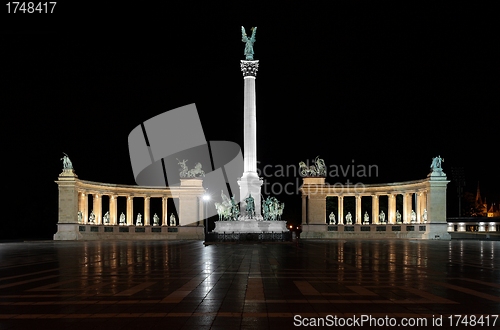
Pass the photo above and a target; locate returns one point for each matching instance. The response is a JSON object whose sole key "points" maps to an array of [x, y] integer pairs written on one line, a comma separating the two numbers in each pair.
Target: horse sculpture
{"points": [[318, 169]]}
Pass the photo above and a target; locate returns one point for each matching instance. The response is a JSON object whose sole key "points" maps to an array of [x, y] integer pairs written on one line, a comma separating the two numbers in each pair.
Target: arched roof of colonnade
{"points": [[131, 190], [365, 189]]}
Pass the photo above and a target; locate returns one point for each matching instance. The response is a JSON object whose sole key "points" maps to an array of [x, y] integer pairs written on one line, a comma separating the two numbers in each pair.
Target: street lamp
{"points": [[206, 198]]}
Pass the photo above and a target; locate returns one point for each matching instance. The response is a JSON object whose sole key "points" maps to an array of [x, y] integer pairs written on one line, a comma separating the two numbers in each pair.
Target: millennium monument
{"points": [[93, 210], [250, 217]]}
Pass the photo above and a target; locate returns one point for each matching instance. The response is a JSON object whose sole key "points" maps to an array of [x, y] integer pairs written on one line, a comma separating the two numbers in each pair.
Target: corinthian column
{"points": [[250, 183]]}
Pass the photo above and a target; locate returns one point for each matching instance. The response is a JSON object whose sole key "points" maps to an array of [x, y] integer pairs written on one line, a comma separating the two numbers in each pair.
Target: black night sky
{"points": [[355, 82]]}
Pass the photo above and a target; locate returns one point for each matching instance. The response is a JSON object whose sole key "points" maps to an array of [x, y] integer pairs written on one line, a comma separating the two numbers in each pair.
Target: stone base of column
{"points": [[437, 231], [67, 232]]}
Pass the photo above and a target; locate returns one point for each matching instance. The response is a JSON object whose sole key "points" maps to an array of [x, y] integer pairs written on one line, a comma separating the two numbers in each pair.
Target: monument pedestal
{"points": [[250, 226]]}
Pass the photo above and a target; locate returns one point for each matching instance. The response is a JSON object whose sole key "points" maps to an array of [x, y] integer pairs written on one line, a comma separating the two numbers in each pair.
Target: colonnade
{"points": [[74, 199], [97, 207], [374, 214], [429, 195]]}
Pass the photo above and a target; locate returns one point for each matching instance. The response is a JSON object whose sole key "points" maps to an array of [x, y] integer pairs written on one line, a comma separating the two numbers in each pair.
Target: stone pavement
{"points": [[143, 285]]}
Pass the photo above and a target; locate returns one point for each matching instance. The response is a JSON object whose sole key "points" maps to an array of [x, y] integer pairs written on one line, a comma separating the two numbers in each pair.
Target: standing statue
{"points": [[436, 163], [235, 209], [172, 220], [398, 217], [184, 169], [92, 217], [106, 218], [156, 220], [332, 218], [139, 220], [348, 218], [80, 216], [122, 219], [413, 216], [366, 220], [381, 217], [250, 209], [248, 43], [66, 162], [424, 216]]}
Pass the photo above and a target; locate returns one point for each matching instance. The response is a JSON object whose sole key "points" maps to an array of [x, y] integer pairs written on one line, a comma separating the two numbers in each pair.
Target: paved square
{"points": [[116, 285]]}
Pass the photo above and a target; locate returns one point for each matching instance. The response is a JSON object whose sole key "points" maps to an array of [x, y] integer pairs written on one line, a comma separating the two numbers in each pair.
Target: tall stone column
{"points": [[250, 183], [146, 211], [164, 210], [97, 208], [113, 209], [375, 210], [406, 210], [359, 216], [130, 210], [418, 206], [82, 202], [392, 209], [341, 210]]}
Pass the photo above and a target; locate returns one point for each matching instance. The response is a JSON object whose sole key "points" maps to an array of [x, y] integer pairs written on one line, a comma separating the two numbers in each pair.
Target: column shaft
{"points": [[164, 210], [375, 210], [359, 216], [113, 209], [130, 210], [146, 211], [392, 209], [341, 210], [97, 208]]}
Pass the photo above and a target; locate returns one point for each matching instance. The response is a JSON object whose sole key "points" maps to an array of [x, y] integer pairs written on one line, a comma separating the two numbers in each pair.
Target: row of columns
{"points": [[421, 205], [113, 209]]}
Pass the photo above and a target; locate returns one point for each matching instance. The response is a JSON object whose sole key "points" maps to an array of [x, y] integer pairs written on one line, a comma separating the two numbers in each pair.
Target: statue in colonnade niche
{"points": [[424, 216], [106, 218], [413, 216], [156, 220], [92, 217], [381, 217], [332, 219], [366, 220], [122, 219], [398, 217], [348, 218], [172, 220], [139, 220], [80, 216]]}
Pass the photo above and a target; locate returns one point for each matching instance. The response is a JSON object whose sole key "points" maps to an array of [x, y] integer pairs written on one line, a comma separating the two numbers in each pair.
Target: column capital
{"points": [[249, 68]]}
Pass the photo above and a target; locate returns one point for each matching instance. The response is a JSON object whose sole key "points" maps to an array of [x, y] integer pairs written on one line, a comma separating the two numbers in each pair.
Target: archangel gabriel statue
{"points": [[248, 43]]}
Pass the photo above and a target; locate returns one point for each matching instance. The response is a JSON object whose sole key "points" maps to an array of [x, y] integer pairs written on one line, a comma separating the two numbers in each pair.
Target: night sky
{"points": [[355, 83]]}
